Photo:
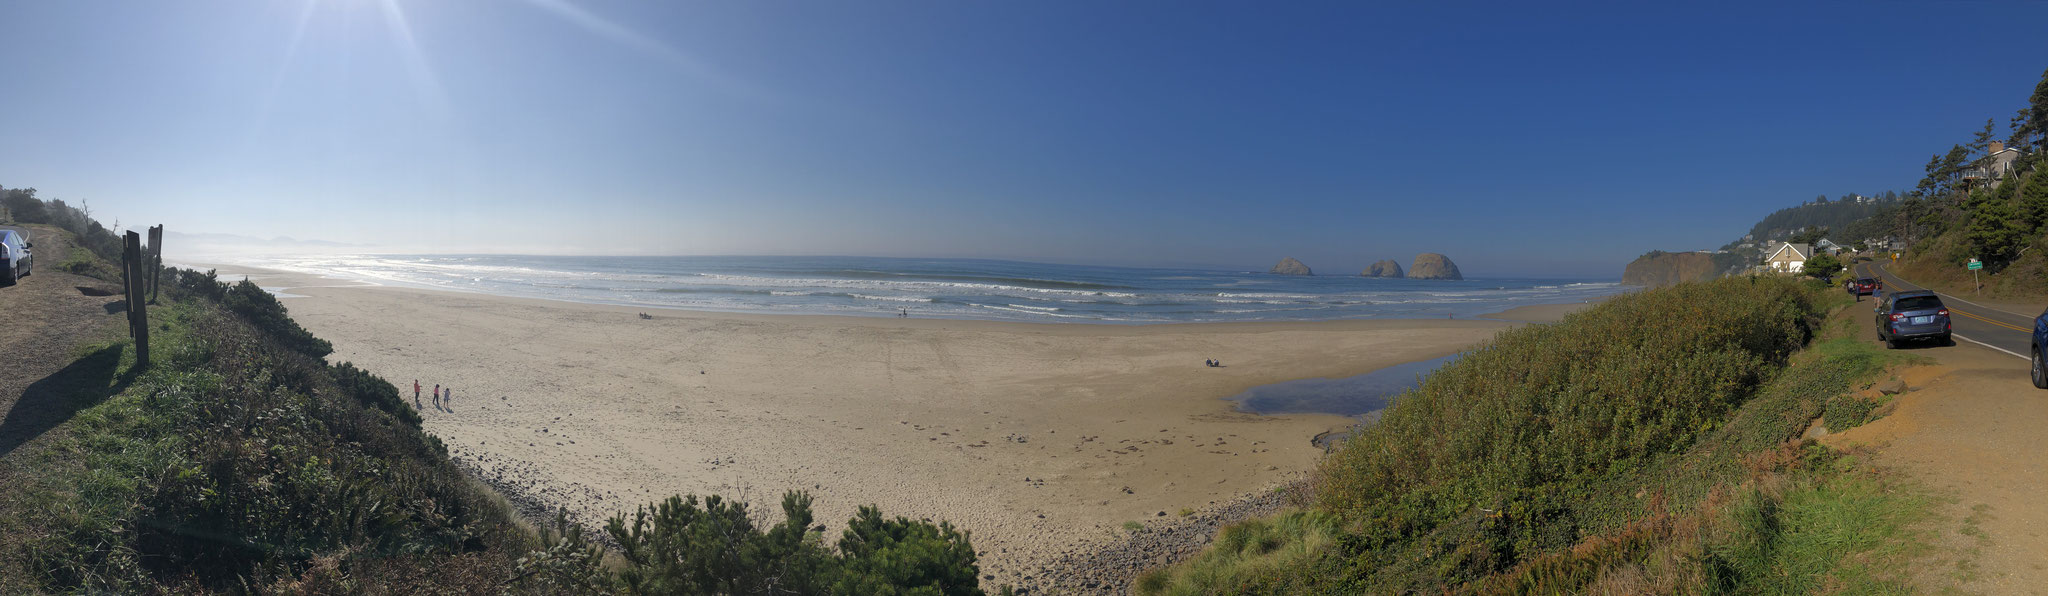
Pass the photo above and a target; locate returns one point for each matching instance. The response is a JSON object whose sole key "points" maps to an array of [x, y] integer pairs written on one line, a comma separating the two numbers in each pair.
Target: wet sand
{"points": [[1036, 437]]}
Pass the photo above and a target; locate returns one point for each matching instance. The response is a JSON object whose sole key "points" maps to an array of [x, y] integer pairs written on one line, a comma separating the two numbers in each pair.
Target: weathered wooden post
{"points": [[156, 259], [138, 318]]}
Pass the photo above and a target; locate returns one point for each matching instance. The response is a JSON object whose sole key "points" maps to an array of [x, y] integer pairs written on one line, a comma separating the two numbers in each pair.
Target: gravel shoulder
{"points": [[1969, 427]]}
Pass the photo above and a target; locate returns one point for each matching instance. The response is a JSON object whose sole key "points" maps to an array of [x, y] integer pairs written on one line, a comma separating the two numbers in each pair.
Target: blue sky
{"points": [[1545, 139]]}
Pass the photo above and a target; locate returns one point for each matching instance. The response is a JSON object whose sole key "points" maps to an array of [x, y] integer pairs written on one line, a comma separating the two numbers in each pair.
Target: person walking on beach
{"points": [[437, 396], [448, 399], [415, 393]]}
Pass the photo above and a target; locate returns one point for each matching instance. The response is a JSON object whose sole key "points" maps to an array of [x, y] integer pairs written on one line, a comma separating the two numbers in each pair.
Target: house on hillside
{"points": [[1827, 246], [1788, 258], [1996, 164]]}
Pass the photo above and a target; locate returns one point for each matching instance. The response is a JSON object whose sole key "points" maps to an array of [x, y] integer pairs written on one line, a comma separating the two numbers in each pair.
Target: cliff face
{"points": [[1659, 269], [1431, 265], [1289, 266], [1384, 268]]}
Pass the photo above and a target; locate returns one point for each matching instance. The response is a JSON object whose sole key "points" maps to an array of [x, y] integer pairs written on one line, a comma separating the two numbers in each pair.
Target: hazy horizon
{"points": [[1556, 141]]}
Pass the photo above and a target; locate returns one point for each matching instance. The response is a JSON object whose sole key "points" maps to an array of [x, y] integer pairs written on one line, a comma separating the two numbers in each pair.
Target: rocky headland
{"points": [[1384, 268]]}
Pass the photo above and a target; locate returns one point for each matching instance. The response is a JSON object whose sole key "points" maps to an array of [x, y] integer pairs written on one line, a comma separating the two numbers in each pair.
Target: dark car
{"points": [[2040, 341], [1918, 314], [14, 257]]}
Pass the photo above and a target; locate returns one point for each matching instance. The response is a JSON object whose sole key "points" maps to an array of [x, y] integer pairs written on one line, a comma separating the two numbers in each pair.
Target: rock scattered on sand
{"points": [[1892, 387], [1384, 268], [1289, 266], [1431, 265]]}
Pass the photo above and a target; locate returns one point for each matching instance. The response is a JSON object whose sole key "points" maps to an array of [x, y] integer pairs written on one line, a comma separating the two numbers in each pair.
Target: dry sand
{"points": [[1036, 437]]}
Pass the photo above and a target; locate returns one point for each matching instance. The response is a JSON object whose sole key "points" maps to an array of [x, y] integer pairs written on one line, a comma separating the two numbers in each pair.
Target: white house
{"points": [[1788, 258]]}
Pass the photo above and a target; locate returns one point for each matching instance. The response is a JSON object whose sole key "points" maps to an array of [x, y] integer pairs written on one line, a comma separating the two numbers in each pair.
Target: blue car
{"points": [[1917, 314], [2040, 340]]}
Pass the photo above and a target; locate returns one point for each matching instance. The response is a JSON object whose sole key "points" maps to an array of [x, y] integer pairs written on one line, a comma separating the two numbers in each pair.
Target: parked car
{"points": [[14, 256], [2040, 340], [1918, 314], [1864, 286]]}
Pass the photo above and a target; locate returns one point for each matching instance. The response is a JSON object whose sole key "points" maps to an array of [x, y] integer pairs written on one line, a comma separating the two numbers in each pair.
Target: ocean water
{"points": [[945, 288]]}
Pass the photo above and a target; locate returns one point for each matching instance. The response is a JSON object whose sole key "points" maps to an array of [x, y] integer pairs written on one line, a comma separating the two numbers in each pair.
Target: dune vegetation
{"points": [[241, 461], [1649, 444]]}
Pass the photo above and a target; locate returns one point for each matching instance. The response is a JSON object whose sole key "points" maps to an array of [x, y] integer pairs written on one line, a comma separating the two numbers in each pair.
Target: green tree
{"points": [[23, 206], [1809, 235], [1981, 145], [1995, 232], [2030, 126], [1822, 266]]}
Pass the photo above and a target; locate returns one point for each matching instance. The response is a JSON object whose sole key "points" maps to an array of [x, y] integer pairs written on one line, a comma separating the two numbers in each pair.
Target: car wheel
{"points": [[2040, 371]]}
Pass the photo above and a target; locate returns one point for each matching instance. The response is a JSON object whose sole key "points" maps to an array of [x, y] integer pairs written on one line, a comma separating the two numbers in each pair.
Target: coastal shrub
{"points": [[1256, 556], [191, 283], [83, 262], [1495, 456], [372, 390], [24, 207], [235, 464], [267, 314], [1845, 412], [687, 546]]}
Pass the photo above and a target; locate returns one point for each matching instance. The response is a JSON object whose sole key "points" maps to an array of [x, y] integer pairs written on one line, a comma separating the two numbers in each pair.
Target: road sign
{"points": [[1976, 264]]}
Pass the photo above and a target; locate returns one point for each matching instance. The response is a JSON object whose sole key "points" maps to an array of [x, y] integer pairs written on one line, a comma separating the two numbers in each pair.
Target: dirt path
{"points": [[1973, 428], [46, 317]]}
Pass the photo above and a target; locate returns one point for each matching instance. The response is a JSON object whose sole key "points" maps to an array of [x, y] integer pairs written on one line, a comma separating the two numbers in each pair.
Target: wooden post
{"points": [[138, 317], [156, 259]]}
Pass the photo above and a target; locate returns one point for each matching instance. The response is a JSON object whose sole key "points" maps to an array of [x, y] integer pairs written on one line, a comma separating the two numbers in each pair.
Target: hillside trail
{"points": [[44, 318], [1971, 427]]}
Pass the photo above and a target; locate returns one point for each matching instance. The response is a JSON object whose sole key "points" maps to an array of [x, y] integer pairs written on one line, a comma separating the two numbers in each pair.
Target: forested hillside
{"points": [[1965, 207]]}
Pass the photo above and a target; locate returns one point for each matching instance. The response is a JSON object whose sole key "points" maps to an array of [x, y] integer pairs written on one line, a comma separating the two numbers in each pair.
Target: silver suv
{"points": [[14, 256]]}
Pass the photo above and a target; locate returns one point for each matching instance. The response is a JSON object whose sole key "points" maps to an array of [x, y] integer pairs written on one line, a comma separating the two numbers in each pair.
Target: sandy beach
{"points": [[1036, 437]]}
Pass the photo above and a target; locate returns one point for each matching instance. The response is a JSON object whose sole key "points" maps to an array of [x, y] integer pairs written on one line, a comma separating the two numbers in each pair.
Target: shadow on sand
{"points": [[52, 400]]}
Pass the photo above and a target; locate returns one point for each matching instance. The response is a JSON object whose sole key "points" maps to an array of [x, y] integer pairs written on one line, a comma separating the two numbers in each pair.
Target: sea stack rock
{"points": [[1430, 265], [1384, 268], [1289, 266]]}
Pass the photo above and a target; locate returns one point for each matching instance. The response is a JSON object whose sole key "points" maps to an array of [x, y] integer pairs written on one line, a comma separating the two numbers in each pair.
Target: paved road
{"points": [[2006, 331]]}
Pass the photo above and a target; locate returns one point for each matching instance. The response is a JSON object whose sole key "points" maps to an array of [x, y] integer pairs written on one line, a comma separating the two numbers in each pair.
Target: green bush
{"points": [[1845, 412], [267, 314], [1262, 556], [372, 390], [684, 546], [899, 556], [233, 463], [1495, 456], [83, 262]]}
